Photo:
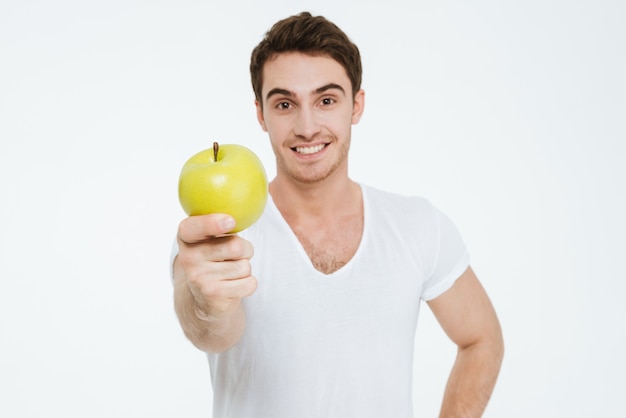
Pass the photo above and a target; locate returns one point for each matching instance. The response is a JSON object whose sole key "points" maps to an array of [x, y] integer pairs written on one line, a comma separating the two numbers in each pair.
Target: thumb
{"points": [[225, 222], [201, 227]]}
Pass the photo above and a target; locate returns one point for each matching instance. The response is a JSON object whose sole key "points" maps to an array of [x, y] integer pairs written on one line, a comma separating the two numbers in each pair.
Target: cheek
{"points": [[341, 124], [277, 132], [278, 126]]}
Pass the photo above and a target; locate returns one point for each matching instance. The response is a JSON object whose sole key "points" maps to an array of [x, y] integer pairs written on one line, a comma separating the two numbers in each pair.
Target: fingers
{"points": [[202, 238], [240, 288], [227, 248], [199, 228], [198, 274], [217, 300], [228, 290]]}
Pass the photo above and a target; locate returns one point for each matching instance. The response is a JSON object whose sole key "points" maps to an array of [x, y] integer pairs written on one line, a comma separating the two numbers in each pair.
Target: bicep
{"points": [[465, 312]]}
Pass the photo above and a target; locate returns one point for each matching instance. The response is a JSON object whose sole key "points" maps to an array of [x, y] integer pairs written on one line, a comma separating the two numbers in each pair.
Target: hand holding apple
{"points": [[224, 179]]}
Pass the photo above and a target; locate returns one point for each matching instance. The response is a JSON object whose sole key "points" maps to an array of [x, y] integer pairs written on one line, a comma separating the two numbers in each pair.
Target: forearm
{"points": [[207, 334], [472, 380]]}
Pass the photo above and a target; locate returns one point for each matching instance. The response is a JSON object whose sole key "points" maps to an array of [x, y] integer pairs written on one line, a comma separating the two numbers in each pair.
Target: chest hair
{"points": [[331, 246]]}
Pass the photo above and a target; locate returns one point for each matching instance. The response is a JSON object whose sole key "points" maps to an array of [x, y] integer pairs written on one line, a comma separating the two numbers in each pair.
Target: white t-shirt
{"points": [[337, 345]]}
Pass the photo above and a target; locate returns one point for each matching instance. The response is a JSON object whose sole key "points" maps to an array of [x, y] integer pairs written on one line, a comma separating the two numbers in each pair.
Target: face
{"points": [[308, 111]]}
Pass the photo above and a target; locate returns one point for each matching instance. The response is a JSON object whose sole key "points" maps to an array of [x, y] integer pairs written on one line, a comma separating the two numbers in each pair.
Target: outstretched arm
{"points": [[211, 276], [468, 318]]}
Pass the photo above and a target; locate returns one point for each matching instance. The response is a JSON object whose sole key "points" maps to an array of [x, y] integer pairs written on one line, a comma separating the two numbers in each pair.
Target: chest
{"points": [[331, 245]]}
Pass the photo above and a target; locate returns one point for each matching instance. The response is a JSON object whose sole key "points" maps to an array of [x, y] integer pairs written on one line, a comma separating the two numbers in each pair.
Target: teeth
{"points": [[310, 150]]}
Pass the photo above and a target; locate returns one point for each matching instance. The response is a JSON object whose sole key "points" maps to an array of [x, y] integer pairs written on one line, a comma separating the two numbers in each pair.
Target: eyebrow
{"points": [[330, 86], [319, 90]]}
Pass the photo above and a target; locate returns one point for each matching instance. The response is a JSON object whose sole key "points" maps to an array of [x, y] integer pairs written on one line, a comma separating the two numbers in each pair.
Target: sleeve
{"points": [[451, 257]]}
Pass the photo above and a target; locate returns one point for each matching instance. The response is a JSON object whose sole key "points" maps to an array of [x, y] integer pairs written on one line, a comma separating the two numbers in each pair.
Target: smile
{"points": [[309, 150]]}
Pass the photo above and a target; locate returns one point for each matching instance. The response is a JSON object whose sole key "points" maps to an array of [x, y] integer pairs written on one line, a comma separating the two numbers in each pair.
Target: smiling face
{"points": [[308, 111]]}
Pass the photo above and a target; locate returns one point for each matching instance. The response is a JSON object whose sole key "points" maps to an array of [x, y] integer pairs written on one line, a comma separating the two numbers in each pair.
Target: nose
{"points": [[306, 124]]}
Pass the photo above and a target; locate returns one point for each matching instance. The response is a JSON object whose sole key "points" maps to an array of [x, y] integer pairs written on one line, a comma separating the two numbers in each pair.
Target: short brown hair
{"points": [[311, 35]]}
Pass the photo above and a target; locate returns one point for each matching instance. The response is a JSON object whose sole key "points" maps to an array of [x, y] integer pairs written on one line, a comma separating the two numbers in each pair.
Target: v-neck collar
{"points": [[300, 248]]}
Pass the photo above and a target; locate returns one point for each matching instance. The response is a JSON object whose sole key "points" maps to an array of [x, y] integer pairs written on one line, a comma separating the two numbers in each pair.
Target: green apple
{"points": [[227, 179]]}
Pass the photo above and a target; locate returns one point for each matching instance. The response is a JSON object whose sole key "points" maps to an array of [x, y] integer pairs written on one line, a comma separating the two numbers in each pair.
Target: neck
{"points": [[299, 201]]}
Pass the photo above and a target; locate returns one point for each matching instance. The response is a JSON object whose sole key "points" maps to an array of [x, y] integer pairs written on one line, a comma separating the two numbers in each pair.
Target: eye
{"points": [[283, 105], [327, 101]]}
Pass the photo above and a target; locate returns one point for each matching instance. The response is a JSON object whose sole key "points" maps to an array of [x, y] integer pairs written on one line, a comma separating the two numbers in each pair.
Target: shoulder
{"points": [[395, 204], [410, 218], [396, 218]]}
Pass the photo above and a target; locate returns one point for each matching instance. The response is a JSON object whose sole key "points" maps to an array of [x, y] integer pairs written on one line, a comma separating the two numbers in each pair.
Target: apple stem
{"points": [[216, 147]]}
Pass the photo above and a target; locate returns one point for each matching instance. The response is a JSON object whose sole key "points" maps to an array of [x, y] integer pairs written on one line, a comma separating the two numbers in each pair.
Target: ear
{"points": [[259, 115], [358, 106]]}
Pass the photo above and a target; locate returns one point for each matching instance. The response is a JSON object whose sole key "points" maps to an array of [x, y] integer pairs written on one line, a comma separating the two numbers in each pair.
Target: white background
{"points": [[508, 115]]}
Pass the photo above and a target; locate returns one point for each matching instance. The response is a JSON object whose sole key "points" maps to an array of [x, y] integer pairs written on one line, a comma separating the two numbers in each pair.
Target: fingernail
{"points": [[228, 223]]}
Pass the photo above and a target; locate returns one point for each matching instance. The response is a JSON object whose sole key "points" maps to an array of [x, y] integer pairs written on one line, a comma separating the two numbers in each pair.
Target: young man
{"points": [[321, 322]]}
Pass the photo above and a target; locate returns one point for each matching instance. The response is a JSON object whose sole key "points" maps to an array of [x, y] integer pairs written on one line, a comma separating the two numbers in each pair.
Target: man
{"points": [[321, 322]]}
